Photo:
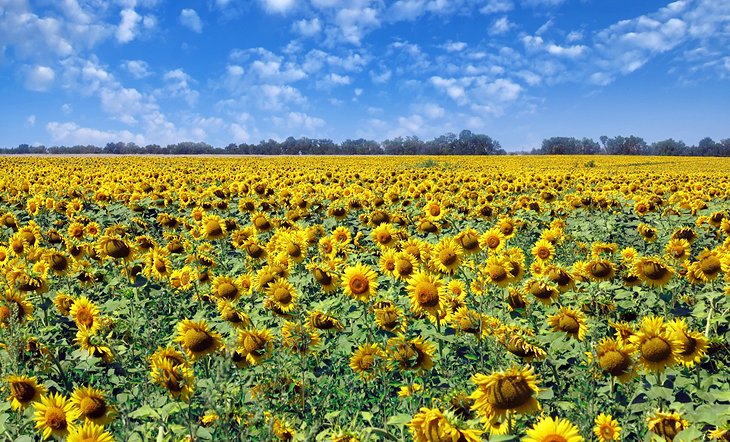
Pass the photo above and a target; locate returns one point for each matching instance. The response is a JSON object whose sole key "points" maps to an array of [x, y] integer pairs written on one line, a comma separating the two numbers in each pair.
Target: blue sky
{"points": [[222, 71]]}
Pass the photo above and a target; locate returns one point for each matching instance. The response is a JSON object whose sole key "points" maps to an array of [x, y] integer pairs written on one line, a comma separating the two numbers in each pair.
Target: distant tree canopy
{"points": [[631, 145], [466, 143]]}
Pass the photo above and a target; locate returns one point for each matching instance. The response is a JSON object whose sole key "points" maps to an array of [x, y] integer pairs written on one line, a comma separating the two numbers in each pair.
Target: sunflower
{"points": [[415, 354], [427, 294], [92, 405], [414, 248], [606, 428], [693, 345], [183, 279], [255, 344], [360, 282], [405, 266], [113, 247], [434, 211], [447, 256], [497, 270], [89, 432], [657, 346], [167, 354], [653, 271], [260, 222], [85, 314], [678, 249], [282, 294], [409, 390], [615, 358], [647, 232], [91, 342], [516, 259], [54, 416], [385, 235], [543, 251], [229, 313], [177, 379], [299, 338], [507, 226], [213, 227], [341, 235], [390, 317], [720, 434], [432, 425], [570, 321], [327, 280], [517, 343], [624, 331], [157, 264], [225, 288], [367, 360], [15, 302], [600, 270], [510, 391], [469, 241], [545, 292], [686, 233], [386, 263], [707, 267], [323, 321], [58, 261], [550, 429], [197, 339], [492, 240], [666, 425], [23, 391], [466, 321]]}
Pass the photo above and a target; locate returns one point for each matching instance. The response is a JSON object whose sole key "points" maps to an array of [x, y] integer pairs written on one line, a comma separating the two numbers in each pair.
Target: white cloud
{"points": [[277, 97], [333, 79], [454, 46], [433, 111], [452, 88], [574, 36], [127, 29], [542, 3], [566, 51], [406, 9], [71, 133], [138, 68], [497, 6], [500, 26], [381, 77], [190, 19], [66, 108], [178, 85], [39, 78], [307, 28], [30, 121], [354, 23], [278, 6], [299, 121]]}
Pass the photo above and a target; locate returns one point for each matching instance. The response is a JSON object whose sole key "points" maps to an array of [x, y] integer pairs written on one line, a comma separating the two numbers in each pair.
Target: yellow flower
{"points": [[427, 294], [23, 391], [367, 360], [92, 405], [197, 339], [543, 251], [360, 282], [666, 425], [550, 429], [657, 347], [570, 321], [510, 391], [615, 358], [432, 425], [89, 432], [54, 416], [606, 428]]}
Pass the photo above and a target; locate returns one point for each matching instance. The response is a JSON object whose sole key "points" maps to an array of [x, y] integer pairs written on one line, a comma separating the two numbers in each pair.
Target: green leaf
{"points": [[399, 419], [367, 416], [143, 412]]}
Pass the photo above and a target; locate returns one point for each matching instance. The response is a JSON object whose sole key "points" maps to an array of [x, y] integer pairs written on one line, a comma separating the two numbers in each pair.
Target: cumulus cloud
{"points": [[500, 26], [178, 84], [38, 78], [299, 121], [71, 133], [454, 46], [497, 6], [137, 68], [307, 28], [127, 29], [190, 19], [566, 51], [354, 23], [278, 6]]}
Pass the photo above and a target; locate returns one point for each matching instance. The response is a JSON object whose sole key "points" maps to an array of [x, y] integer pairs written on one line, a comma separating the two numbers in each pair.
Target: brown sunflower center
{"points": [[84, 317], [59, 262], [116, 248], [359, 284], [600, 269], [404, 267], [366, 362], [470, 242], [294, 250], [678, 252], [387, 319], [710, 265], [654, 270], [543, 253], [254, 251], [497, 273], [384, 237], [656, 349], [253, 343], [322, 277], [389, 265], [493, 242], [568, 324], [447, 257], [282, 295], [427, 294], [213, 228], [506, 229], [92, 407], [688, 344], [434, 210], [198, 340], [22, 391], [227, 290], [509, 392], [614, 362], [55, 419]]}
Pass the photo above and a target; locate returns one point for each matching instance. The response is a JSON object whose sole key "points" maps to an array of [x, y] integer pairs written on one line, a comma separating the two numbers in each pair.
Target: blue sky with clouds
{"points": [[221, 71]]}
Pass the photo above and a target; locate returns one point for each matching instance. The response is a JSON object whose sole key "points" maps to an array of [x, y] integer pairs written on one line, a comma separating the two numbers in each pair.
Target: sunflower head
{"points": [[197, 339], [360, 282], [513, 390], [23, 391]]}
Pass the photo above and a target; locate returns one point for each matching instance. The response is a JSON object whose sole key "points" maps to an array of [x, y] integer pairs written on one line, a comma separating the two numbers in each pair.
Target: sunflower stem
{"points": [[709, 317]]}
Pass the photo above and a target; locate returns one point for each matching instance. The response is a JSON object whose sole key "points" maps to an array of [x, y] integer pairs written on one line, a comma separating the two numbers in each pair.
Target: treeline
{"points": [[631, 145], [466, 143]]}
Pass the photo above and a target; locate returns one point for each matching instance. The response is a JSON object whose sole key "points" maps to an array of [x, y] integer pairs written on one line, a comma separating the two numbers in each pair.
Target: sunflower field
{"points": [[344, 299]]}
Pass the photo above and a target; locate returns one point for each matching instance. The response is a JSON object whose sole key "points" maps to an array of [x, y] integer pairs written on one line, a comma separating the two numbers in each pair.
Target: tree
{"points": [[668, 147]]}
